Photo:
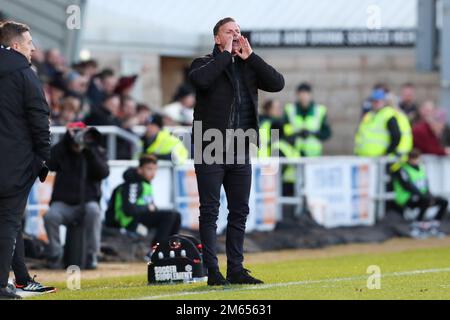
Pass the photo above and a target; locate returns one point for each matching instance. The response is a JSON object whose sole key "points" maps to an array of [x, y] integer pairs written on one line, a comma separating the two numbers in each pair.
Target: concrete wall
{"points": [[342, 79]]}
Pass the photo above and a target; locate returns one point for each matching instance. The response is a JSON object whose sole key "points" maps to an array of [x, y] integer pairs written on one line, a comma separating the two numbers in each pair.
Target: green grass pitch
{"points": [[411, 274]]}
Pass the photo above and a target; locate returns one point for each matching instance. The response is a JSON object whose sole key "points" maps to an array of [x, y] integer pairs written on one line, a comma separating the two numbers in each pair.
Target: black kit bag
{"points": [[179, 260]]}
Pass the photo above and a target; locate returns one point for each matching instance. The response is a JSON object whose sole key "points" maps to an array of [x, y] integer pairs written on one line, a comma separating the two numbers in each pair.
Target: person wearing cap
{"points": [[367, 103], [181, 110], [162, 143], [379, 132], [80, 163], [306, 123]]}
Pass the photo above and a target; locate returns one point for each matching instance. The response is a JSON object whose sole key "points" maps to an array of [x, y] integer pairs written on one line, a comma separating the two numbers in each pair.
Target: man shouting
{"points": [[227, 83]]}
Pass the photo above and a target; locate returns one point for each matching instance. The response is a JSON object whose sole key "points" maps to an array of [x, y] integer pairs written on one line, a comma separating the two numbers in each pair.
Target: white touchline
{"points": [[297, 283]]}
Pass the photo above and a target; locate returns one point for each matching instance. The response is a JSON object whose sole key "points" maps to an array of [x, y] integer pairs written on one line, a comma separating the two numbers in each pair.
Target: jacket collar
{"points": [[216, 50]]}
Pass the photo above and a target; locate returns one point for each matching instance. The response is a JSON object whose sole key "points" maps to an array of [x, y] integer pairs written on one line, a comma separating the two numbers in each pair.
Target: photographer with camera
{"points": [[80, 164]]}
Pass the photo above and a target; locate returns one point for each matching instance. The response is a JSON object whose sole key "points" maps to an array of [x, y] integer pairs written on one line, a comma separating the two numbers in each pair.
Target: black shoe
{"points": [[33, 288], [8, 294], [215, 278], [242, 277]]}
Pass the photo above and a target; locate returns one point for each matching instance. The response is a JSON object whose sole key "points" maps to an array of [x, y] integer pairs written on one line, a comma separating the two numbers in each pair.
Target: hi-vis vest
{"points": [[311, 146], [264, 139], [406, 142], [165, 144], [289, 173], [417, 177], [145, 198], [372, 138]]}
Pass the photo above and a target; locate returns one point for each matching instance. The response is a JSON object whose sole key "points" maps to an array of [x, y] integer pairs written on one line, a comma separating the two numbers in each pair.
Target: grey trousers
{"points": [[64, 214]]}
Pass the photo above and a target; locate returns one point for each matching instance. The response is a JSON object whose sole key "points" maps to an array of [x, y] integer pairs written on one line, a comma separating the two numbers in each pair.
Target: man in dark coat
{"points": [[227, 83], [80, 164], [25, 145], [106, 115]]}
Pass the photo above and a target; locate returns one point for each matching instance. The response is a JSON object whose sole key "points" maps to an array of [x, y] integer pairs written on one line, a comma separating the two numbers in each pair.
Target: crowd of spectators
{"points": [[431, 134], [101, 97]]}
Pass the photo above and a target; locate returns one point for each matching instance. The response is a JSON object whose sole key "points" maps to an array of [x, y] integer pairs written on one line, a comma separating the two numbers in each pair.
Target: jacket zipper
{"points": [[231, 123], [238, 93], [231, 117]]}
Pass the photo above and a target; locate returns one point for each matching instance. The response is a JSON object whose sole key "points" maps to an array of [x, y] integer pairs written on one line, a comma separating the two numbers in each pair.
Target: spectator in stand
{"points": [[427, 133], [125, 85], [143, 112], [88, 68], [70, 108], [367, 104], [55, 65], [101, 86], [128, 113], [54, 93], [38, 61], [425, 111], [181, 110], [107, 113], [127, 119], [162, 143], [408, 101], [272, 111], [77, 85]]}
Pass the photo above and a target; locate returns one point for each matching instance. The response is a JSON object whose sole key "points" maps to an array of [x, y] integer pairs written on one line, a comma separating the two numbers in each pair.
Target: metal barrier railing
{"points": [[111, 133], [133, 137], [181, 132], [438, 169]]}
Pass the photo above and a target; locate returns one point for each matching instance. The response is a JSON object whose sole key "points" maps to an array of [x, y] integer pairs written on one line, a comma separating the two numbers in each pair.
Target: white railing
{"points": [[339, 191], [111, 133]]}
